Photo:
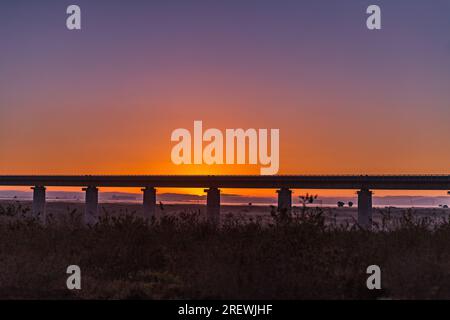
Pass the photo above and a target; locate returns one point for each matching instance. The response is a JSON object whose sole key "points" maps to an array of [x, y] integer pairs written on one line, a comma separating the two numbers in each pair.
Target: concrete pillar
{"points": [[39, 203], [284, 199], [91, 206], [365, 208], [213, 205], [149, 202]]}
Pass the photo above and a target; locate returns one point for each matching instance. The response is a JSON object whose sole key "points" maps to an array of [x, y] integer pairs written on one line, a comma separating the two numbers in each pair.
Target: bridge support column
{"points": [[365, 208], [284, 199], [91, 206], [38, 207], [149, 202], [213, 205]]}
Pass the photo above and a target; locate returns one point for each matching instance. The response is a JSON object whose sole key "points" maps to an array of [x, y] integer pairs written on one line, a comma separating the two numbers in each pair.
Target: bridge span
{"points": [[363, 184]]}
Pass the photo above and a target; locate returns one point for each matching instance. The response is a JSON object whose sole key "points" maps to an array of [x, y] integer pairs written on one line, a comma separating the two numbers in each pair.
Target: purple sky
{"points": [[105, 99]]}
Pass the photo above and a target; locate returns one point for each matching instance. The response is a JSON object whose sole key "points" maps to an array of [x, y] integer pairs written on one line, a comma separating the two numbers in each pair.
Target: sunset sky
{"points": [[104, 100]]}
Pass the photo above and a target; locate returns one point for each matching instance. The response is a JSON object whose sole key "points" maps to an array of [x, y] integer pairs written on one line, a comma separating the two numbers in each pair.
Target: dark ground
{"points": [[179, 256]]}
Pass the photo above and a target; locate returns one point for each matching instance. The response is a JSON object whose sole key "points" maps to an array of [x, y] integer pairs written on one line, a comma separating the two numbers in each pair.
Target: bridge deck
{"points": [[386, 182]]}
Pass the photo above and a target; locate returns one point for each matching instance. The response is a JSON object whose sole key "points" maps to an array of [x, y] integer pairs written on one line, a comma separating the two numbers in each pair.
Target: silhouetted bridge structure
{"points": [[364, 184]]}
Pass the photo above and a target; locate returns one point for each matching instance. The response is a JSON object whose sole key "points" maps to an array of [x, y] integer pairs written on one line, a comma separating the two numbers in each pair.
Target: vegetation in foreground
{"points": [[297, 256]]}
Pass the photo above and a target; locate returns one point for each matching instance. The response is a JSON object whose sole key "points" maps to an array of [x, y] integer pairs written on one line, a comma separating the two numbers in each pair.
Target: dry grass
{"points": [[296, 256]]}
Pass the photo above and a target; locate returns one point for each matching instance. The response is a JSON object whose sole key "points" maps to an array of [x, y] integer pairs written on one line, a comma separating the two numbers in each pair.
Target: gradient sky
{"points": [[106, 99]]}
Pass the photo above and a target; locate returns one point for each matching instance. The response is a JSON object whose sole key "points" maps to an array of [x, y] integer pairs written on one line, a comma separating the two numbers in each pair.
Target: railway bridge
{"points": [[284, 184]]}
